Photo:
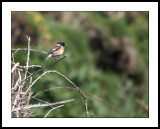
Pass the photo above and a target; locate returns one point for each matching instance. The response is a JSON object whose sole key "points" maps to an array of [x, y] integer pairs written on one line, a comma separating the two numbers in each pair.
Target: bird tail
{"points": [[48, 57]]}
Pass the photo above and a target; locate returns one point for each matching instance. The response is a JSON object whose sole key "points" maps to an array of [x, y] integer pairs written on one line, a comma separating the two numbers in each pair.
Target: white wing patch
{"points": [[58, 45], [53, 49]]}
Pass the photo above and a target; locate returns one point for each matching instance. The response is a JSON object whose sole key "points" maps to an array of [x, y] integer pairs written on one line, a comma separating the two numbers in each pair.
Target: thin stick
{"points": [[52, 110], [142, 105], [41, 105], [25, 49], [14, 67], [24, 67], [53, 71], [77, 90], [28, 54], [42, 101], [29, 114], [13, 73], [17, 82], [105, 102], [45, 67], [91, 96]]}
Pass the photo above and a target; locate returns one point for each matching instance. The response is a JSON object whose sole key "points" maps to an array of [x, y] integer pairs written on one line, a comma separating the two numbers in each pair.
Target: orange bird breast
{"points": [[59, 52]]}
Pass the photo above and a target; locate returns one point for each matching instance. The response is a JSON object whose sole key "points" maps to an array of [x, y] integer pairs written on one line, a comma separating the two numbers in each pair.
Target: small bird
{"points": [[56, 50]]}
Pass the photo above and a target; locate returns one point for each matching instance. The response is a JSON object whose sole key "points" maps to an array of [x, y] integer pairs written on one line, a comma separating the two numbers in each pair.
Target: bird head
{"points": [[61, 44]]}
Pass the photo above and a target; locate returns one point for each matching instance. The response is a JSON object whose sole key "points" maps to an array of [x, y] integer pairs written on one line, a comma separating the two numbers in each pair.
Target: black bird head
{"points": [[61, 44]]}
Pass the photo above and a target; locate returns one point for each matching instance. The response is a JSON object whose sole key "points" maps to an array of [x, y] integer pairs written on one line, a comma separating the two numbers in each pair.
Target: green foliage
{"points": [[80, 68]]}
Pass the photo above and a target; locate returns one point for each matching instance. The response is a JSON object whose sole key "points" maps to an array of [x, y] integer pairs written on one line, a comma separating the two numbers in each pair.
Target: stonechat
{"points": [[56, 50]]}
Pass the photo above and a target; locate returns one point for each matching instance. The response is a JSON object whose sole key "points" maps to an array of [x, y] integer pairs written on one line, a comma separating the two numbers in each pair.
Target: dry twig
{"points": [[45, 67], [53, 109], [21, 99], [14, 67], [26, 49], [91, 96], [41, 105], [24, 67], [53, 71], [27, 62]]}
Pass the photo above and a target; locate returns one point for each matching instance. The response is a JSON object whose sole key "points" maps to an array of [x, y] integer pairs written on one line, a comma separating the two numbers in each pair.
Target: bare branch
{"points": [[24, 105], [52, 110], [142, 105], [14, 67], [41, 105], [24, 67], [28, 54], [91, 96], [105, 102], [45, 67], [76, 89], [42, 101], [26, 49], [67, 80], [41, 68]]}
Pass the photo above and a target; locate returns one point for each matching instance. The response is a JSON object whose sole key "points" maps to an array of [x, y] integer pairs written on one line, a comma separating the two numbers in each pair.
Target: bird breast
{"points": [[59, 52]]}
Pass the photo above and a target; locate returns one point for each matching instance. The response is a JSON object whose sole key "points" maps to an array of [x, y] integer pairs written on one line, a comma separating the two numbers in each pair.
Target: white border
{"points": [[152, 7]]}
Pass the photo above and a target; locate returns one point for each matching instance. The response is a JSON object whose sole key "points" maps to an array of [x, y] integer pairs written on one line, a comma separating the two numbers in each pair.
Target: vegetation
{"points": [[107, 59]]}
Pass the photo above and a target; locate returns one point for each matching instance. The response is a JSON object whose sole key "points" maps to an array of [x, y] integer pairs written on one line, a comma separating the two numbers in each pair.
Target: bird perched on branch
{"points": [[56, 50]]}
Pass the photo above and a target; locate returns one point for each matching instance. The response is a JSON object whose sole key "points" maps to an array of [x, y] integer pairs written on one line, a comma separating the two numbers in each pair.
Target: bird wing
{"points": [[54, 48]]}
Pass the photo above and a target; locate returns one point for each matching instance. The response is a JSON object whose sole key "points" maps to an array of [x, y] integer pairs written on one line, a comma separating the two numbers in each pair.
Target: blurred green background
{"points": [[107, 58]]}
